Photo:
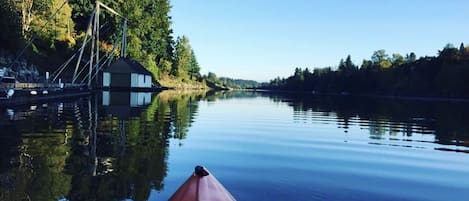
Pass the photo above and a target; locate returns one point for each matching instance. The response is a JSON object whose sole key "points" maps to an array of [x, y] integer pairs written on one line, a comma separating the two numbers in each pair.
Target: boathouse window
{"points": [[134, 80], [148, 81], [106, 79], [106, 98]]}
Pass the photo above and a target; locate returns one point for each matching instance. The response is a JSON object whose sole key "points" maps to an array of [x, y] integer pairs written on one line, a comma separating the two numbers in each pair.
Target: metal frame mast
{"points": [[93, 32]]}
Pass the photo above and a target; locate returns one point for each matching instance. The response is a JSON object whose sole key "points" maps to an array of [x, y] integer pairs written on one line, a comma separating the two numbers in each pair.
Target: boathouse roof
{"points": [[125, 65]]}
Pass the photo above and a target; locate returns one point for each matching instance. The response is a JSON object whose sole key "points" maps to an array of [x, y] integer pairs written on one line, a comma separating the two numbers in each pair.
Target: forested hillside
{"points": [[150, 37], [444, 75]]}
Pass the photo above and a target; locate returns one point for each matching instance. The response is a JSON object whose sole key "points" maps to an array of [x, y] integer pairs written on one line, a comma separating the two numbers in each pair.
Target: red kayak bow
{"points": [[202, 186]]}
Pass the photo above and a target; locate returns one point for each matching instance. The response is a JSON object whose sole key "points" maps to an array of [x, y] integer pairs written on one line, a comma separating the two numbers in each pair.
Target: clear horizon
{"points": [[261, 39]]}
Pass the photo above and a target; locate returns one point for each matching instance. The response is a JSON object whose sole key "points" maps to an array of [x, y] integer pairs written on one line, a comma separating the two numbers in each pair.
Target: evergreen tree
{"points": [[342, 66], [366, 64], [194, 70], [349, 64], [410, 58], [462, 49], [182, 57]]}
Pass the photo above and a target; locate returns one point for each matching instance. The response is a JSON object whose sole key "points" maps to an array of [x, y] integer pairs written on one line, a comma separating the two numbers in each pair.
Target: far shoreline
{"points": [[395, 97]]}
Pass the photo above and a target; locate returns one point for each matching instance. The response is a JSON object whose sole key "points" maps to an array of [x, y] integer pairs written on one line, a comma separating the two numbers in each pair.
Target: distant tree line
{"points": [[150, 37], [230, 82], [239, 83], [443, 75]]}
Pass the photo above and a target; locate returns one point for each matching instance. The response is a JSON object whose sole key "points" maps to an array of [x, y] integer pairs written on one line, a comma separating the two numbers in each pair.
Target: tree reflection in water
{"points": [[93, 149], [114, 146], [393, 119]]}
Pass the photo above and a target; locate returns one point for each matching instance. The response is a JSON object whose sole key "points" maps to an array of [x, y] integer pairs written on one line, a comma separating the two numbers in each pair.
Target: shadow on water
{"points": [[110, 146]]}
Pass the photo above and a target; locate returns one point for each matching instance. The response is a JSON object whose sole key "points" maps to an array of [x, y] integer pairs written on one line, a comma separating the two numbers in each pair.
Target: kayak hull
{"points": [[202, 188]]}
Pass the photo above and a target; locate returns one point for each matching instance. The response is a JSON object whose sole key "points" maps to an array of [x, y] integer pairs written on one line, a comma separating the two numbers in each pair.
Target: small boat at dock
{"points": [[202, 186]]}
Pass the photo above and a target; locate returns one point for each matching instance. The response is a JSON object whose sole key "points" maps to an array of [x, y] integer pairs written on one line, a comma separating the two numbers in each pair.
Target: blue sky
{"points": [[262, 39]]}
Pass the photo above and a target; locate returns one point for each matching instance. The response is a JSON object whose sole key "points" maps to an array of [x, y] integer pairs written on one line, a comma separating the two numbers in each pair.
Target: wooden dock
{"points": [[39, 85], [26, 93]]}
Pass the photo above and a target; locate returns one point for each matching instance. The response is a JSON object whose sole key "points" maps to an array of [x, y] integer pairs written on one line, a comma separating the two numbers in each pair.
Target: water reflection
{"points": [[110, 146], [114, 145], [36, 149], [444, 123]]}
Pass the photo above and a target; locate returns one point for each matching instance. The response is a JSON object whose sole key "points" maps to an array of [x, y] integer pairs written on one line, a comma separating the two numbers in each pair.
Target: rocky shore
{"points": [[22, 70]]}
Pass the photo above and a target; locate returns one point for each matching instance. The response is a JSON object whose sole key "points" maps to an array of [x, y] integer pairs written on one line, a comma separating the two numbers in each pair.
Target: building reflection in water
{"points": [[110, 146]]}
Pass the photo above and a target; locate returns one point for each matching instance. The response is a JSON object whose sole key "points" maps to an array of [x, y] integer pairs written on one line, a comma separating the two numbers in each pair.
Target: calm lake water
{"points": [[122, 146]]}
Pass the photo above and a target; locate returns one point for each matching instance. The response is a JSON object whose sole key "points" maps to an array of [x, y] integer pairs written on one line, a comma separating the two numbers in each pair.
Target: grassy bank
{"points": [[182, 84]]}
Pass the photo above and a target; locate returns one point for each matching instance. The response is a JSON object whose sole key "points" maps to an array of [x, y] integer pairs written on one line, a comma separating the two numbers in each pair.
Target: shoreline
{"points": [[395, 97], [25, 99], [55, 97], [41, 99]]}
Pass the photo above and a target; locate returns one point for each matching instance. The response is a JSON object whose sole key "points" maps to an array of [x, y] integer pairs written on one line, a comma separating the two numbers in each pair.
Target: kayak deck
{"points": [[202, 186]]}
